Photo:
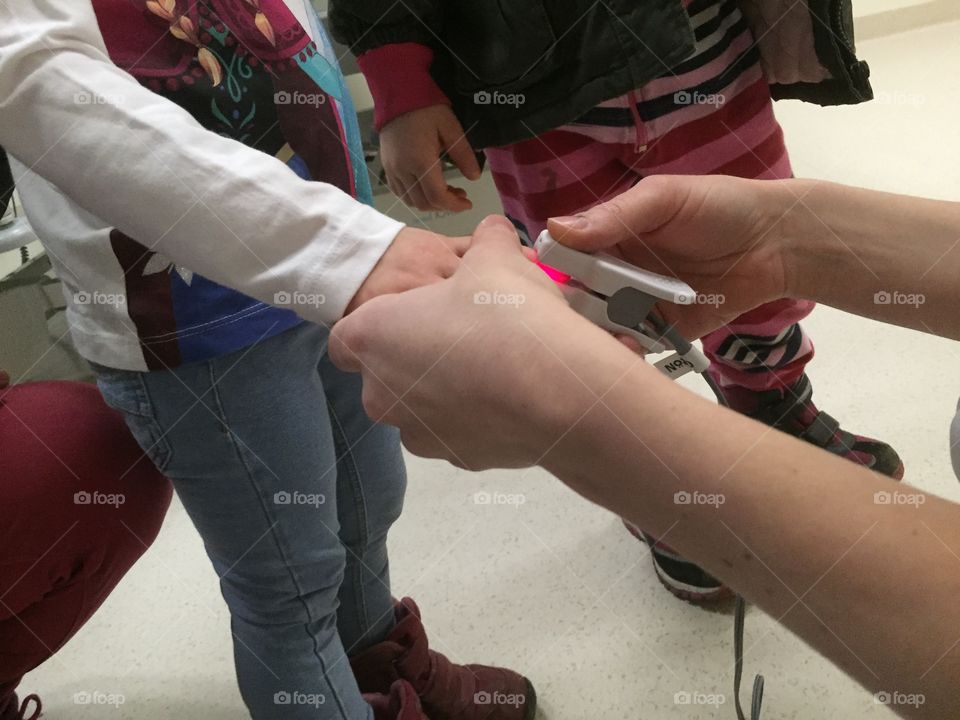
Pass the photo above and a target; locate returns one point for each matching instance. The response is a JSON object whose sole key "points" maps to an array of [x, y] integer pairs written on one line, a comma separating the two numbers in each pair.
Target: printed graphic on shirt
{"points": [[246, 70]]}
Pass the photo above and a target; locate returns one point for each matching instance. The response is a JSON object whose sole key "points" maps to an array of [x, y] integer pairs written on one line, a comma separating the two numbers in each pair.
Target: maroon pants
{"points": [[79, 504]]}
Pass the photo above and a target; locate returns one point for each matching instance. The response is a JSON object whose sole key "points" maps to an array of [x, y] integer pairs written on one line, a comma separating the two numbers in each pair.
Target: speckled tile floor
{"points": [[554, 586]]}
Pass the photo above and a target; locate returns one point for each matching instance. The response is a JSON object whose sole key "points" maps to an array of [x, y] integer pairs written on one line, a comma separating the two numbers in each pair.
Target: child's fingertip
{"points": [[631, 344]]}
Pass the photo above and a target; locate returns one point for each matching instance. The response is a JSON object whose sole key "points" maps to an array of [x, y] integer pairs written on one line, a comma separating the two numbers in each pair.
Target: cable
{"points": [[689, 354], [678, 341], [684, 348]]}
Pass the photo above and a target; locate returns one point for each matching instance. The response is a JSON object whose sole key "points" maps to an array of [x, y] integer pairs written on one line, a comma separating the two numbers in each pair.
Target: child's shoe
{"points": [[681, 577], [399, 703], [794, 413], [447, 691]]}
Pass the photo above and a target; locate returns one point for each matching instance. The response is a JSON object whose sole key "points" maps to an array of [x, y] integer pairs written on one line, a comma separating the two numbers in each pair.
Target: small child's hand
{"points": [[410, 148], [457, 365], [415, 258]]}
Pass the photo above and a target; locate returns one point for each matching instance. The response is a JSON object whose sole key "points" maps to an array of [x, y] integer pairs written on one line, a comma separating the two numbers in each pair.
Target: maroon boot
{"points": [[12, 709], [400, 702], [447, 691]]}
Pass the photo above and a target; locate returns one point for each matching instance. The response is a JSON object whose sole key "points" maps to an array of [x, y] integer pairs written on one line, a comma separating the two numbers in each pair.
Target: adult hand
{"points": [[410, 149], [720, 234], [415, 257], [460, 366]]}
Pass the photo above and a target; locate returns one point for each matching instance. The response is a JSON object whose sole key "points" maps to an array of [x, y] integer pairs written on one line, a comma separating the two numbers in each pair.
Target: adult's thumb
{"points": [[641, 209], [497, 233]]}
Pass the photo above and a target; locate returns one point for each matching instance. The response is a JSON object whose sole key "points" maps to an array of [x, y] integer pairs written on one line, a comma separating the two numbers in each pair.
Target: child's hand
{"points": [[410, 148], [415, 257], [459, 365]]}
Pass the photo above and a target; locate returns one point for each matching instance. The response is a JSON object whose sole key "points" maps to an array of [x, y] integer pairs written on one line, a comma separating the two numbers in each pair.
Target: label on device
{"points": [[674, 366]]}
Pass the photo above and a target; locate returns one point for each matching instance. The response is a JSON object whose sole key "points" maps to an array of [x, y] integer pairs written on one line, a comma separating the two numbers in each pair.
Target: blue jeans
{"points": [[293, 489]]}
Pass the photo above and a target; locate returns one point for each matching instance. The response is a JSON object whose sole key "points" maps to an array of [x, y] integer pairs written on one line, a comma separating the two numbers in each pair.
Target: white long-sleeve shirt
{"points": [[99, 153]]}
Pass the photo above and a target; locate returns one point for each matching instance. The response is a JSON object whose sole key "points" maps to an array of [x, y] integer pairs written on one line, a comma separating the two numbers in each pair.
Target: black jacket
{"points": [[566, 56]]}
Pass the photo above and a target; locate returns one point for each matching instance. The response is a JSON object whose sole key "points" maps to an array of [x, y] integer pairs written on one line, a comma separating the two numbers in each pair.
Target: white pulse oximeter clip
{"points": [[620, 298]]}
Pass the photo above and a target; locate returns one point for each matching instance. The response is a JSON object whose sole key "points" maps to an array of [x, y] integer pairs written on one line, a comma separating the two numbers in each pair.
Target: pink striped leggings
{"points": [[711, 115]]}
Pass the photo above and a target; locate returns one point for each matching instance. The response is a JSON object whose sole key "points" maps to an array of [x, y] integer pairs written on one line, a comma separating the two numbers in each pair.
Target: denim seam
{"points": [[285, 554], [357, 498], [148, 416]]}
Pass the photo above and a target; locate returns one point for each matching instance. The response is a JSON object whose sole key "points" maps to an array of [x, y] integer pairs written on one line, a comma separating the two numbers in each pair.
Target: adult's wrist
{"points": [[595, 429], [800, 211]]}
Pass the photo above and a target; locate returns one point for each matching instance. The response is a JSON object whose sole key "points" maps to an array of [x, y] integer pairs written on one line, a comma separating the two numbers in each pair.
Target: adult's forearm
{"points": [[889, 257], [870, 584]]}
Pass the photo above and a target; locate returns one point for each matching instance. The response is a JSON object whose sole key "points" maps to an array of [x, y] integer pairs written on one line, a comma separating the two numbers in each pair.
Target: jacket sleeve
{"points": [[393, 42], [399, 79], [142, 164], [363, 25]]}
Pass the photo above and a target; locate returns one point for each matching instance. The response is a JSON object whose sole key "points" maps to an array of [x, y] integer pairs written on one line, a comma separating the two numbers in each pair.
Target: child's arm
{"points": [[393, 43], [141, 163]]}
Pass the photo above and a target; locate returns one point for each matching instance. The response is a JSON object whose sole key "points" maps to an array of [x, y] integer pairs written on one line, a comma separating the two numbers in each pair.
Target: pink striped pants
{"points": [[711, 115]]}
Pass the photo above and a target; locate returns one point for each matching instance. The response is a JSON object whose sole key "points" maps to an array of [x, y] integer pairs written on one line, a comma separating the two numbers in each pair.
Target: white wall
{"points": [[879, 18], [870, 7]]}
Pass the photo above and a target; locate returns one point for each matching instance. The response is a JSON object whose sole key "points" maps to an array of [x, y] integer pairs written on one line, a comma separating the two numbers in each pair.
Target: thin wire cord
{"points": [[682, 345]]}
